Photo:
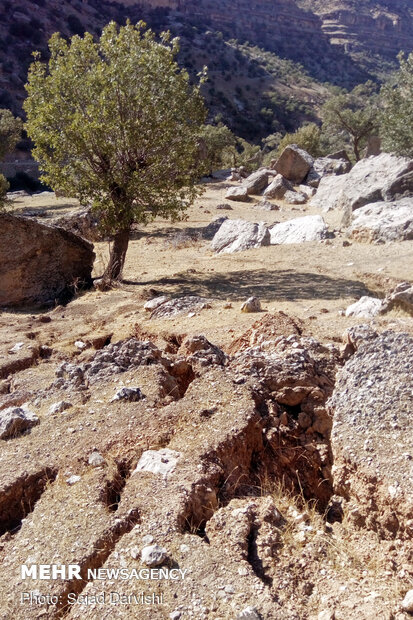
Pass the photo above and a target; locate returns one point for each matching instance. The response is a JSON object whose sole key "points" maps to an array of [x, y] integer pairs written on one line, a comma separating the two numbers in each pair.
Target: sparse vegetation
{"points": [[397, 114]]}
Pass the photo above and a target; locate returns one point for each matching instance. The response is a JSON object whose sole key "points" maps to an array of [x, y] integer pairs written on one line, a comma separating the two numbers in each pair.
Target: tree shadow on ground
{"points": [[284, 284]]}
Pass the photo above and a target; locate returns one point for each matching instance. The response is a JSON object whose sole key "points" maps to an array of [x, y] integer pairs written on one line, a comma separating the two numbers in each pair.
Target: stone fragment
{"points": [[73, 480], [266, 205], [400, 297], [251, 305], [130, 394], [154, 303], [295, 198], [161, 462], [154, 555], [407, 603], [366, 307], [59, 407], [96, 459], [249, 613], [189, 305], [16, 420]]}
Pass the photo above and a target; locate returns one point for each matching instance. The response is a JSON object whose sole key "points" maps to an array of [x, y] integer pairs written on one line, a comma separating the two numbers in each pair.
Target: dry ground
{"points": [[334, 568]]}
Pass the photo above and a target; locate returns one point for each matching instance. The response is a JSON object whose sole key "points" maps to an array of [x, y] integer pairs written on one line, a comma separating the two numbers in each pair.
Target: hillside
{"points": [[339, 41]]}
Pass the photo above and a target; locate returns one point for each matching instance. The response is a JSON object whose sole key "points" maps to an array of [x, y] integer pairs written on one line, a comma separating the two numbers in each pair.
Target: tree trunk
{"points": [[356, 148], [117, 256]]}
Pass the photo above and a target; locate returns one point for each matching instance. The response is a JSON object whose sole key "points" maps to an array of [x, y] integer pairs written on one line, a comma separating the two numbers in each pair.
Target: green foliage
{"points": [[215, 143], [115, 123], [396, 118], [4, 188], [10, 132], [306, 137], [349, 118]]}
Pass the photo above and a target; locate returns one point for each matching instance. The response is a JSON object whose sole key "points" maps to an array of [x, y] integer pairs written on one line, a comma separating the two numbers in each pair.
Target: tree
{"points": [[10, 132], [396, 118], [215, 142], [351, 117], [115, 124]]}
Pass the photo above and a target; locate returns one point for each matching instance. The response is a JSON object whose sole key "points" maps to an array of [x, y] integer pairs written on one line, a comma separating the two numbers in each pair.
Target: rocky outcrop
{"points": [[299, 230], [368, 181], [257, 181], [240, 235], [40, 264], [371, 436], [294, 164], [382, 222]]}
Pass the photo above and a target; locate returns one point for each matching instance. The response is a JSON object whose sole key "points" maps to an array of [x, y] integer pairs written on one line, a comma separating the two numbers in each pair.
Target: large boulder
{"points": [[324, 166], [371, 437], [299, 230], [83, 222], [294, 164], [240, 235], [40, 264], [257, 181], [278, 187], [368, 181], [381, 222], [237, 194]]}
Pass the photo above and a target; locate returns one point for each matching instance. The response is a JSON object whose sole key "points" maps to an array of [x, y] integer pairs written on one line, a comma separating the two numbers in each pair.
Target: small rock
{"points": [[147, 540], [154, 555], [155, 303], [158, 461], [16, 348], [407, 604], [252, 304], [16, 420], [59, 407], [366, 307], [175, 615], [327, 614], [96, 459], [249, 613], [72, 480], [130, 394], [135, 551], [79, 344]]}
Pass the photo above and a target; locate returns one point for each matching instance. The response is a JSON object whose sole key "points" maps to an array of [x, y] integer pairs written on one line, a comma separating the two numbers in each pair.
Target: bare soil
{"points": [[282, 568]]}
